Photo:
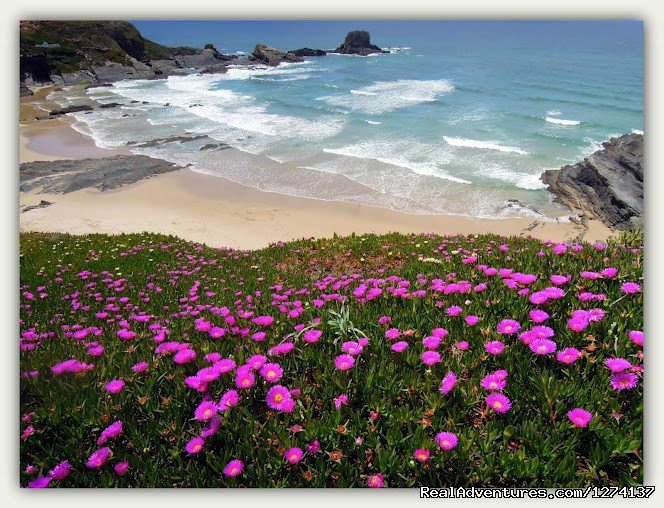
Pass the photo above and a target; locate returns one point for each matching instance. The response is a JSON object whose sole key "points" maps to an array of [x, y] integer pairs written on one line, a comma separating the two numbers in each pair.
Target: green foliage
{"points": [[394, 405]]}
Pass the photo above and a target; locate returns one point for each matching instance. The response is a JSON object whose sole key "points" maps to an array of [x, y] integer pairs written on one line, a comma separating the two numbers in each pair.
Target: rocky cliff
{"points": [[74, 52], [607, 185]]}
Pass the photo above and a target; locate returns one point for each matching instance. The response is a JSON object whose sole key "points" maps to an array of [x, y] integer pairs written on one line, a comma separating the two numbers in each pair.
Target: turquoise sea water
{"points": [[459, 118]]}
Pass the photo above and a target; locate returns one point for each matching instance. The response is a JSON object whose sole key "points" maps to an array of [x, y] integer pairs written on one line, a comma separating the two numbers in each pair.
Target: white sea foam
{"points": [[372, 122], [519, 179], [553, 112], [560, 121], [637, 131], [488, 145], [390, 153], [384, 96]]}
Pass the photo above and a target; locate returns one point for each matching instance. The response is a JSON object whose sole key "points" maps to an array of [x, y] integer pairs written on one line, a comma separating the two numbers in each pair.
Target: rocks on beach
{"points": [[308, 52], [607, 185], [66, 176]]}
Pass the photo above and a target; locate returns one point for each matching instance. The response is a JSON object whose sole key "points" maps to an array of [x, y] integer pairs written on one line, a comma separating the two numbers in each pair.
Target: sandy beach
{"points": [[217, 211]]}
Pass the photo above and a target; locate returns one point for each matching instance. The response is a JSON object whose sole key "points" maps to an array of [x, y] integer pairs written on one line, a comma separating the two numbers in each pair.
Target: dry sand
{"points": [[219, 212]]}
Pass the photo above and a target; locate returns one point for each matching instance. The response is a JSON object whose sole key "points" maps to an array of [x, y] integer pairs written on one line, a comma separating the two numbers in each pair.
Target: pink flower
{"points": [[393, 333], [492, 382], [508, 327], [494, 347], [636, 337], [472, 320], [352, 348], [399, 347], [293, 455], [244, 379], [224, 365], [375, 481], [568, 355], [184, 356], [312, 336], [234, 468], [383, 320], [228, 400], [313, 446], [441, 333], [114, 386], [340, 400], [263, 320], [99, 458], [61, 471], [542, 346], [256, 361], [206, 410], [463, 345], [617, 364], [195, 445], [121, 468], [421, 454], [431, 342], [579, 417], [281, 349], [448, 383], [344, 362], [498, 402], [40, 483], [630, 288], [113, 430], [624, 381], [430, 358], [277, 396], [140, 367], [271, 372], [446, 440]]}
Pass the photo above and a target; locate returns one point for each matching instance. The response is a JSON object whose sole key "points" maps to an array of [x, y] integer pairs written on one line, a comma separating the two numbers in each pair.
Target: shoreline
{"points": [[220, 212]]}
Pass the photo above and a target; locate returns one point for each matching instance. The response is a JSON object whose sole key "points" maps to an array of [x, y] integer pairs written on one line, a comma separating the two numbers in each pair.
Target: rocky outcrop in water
{"points": [[358, 42], [308, 52], [608, 185], [272, 56]]}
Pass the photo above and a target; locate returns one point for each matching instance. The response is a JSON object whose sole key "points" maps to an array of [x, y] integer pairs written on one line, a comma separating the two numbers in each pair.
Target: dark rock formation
{"points": [[70, 109], [162, 141], [358, 42], [24, 90], [110, 105], [308, 52], [103, 174], [214, 69], [214, 146], [42, 204], [607, 185], [272, 56]]}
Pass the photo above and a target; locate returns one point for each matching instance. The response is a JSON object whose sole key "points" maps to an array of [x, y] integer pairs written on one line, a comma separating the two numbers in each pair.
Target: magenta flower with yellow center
{"points": [[446, 440], [375, 481], [498, 402], [234, 468], [344, 362], [206, 410], [98, 458], [542, 346], [271, 372], [195, 445], [114, 386], [421, 454], [276, 396], [293, 455]]}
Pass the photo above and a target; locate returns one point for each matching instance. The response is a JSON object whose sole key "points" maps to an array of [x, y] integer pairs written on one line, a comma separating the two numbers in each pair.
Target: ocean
{"points": [[461, 117]]}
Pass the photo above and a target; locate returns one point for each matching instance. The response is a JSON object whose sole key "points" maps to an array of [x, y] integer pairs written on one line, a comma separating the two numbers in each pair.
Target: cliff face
{"points": [[607, 185], [72, 52]]}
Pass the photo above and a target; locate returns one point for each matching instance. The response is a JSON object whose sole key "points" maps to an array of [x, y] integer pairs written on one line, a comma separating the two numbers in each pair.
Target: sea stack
{"points": [[272, 56], [607, 185], [358, 42]]}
